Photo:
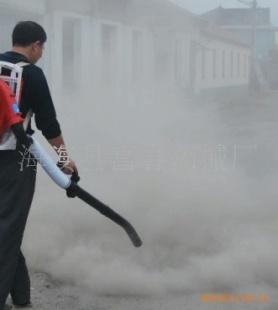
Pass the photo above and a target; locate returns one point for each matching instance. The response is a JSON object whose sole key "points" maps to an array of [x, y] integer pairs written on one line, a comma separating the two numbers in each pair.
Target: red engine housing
{"points": [[9, 110]]}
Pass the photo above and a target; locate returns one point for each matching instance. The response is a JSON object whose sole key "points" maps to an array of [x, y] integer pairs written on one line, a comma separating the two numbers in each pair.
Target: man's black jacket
{"points": [[35, 96]]}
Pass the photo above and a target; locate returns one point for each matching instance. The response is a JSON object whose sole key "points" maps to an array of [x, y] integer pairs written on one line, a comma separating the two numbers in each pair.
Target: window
{"points": [[214, 68], [177, 60], [109, 53], [238, 65], [203, 68], [223, 64], [245, 66], [71, 52], [137, 55], [232, 65]]}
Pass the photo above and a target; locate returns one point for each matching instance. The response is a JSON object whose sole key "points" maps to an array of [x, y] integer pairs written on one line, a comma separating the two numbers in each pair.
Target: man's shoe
{"points": [[7, 307], [27, 305]]}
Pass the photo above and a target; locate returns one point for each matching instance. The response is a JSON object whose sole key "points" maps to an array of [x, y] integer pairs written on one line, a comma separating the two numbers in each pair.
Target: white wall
{"points": [[211, 74]]}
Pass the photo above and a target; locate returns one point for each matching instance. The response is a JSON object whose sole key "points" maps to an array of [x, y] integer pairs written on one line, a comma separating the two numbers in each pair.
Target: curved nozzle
{"points": [[75, 190]]}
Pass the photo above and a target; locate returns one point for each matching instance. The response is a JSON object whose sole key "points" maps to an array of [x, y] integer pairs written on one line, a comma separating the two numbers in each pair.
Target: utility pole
{"points": [[253, 4], [254, 28]]}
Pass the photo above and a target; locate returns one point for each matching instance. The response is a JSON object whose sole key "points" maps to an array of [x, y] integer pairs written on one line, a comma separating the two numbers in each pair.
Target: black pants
{"points": [[17, 185]]}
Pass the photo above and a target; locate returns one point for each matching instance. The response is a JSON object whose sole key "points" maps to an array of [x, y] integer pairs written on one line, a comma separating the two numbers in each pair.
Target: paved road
{"points": [[207, 229]]}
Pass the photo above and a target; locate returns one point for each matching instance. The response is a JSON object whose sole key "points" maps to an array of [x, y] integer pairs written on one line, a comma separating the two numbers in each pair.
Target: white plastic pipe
{"points": [[48, 165]]}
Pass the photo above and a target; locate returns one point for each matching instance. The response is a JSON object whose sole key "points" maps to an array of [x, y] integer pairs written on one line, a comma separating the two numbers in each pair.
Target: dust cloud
{"points": [[205, 228], [176, 173]]}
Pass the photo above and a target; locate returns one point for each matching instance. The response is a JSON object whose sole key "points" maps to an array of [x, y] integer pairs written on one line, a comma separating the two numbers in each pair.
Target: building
{"points": [[130, 52], [222, 62], [252, 26]]}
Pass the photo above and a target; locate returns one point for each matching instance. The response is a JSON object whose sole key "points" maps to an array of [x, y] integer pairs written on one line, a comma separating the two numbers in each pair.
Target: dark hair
{"points": [[28, 32]]}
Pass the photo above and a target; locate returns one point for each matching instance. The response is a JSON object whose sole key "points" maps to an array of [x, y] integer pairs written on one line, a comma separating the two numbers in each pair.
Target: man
{"points": [[17, 181]]}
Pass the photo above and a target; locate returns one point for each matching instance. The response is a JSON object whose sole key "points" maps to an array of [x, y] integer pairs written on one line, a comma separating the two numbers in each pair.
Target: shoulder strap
{"points": [[23, 64], [30, 112], [27, 119]]}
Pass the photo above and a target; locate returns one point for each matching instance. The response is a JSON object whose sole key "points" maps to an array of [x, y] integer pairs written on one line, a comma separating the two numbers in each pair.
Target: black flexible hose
{"points": [[75, 190]]}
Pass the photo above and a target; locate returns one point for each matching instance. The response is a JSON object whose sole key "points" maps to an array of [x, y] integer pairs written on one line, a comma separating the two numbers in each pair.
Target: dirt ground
{"points": [[50, 294]]}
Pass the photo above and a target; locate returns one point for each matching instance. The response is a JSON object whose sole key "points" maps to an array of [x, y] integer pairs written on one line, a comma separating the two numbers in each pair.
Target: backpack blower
{"points": [[12, 132]]}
